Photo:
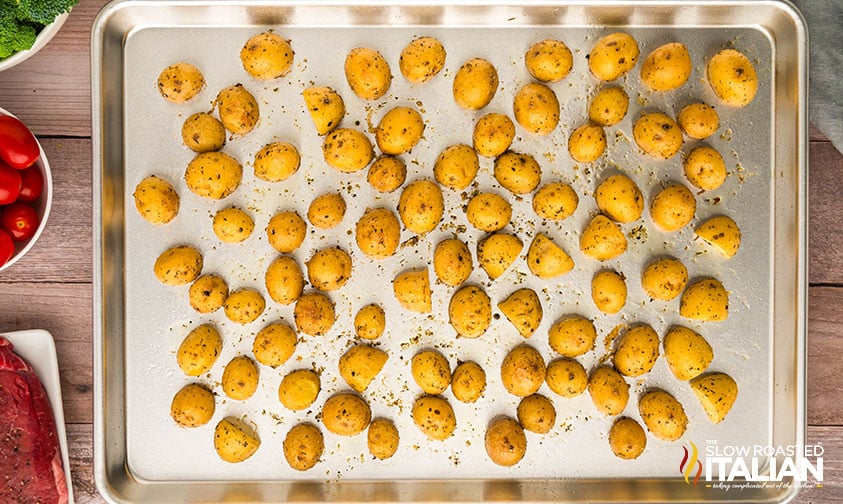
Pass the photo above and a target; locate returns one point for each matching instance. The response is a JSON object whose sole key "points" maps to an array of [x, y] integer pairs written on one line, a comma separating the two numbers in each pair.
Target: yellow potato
{"points": [[667, 68], [244, 306], [240, 378], [475, 84], [698, 120], [199, 350], [657, 135], [178, 265], [627, 438], [360, 364], [378, 233], [587, 143], [421, 206], [523, 310], [238, 110], [267, 56], [497, 252], [456, 166], [602, 239], [412, 290], [732, 77], [452, 261], [546, 259], [370, 322], [706, 300], [431, 371], [329, 269], [156, 200], [367, 73], [207, 293], [284, 280], [536, 108], [213, 175], [608, 390], [636, 351], [555, 201], [180, 82], [326, 211], [470, 312], [192, 406], [286, 231], [717, 393], [620, 199], [566, 377], [387, 174], [346, 414], [314, 313], [303, 445], [234, 441], [505, 442], [434, 417], [347, 150], [613, 56], [572, 336], [274, 344], [202, 132], [664, 278], [468, 382], [233, 225], [549, 60], [663, 415], [422, 59], [493, 134], [517, 173], [608, 291], [609, 106], [299, 389], [523, 371], [277, 161], [705, 168], [536, 414], [326, 108], [488, 212], [382, 438], [399, 130], [673, 208], [722, 233], [687, 353]]}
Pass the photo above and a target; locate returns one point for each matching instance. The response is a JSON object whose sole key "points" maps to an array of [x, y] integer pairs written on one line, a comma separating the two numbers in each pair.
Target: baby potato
{"points": [[329, 269], [202, 132], [620, 199], [412, 290], [572, 336], [431, 371], [698, 120], [180, 82], [199, 350], [244, 306], [732, 77], [673, 208], [267, 56], [421, 206], [517, 173], [664, 278], [475, 84], [156, 200], [286, 231], [627, 438], [238, 110], [488, 212], [399, 130], [326, 211], [207, 293], [178, 265], [609, 391], [602, 239], [277, 161], [657, 135], [566, 377], [274, 344], [303, 445], [636, 351], [663, 415], [233, 225], [613, 56], [370, 322], [505, 441], [422, 59], [234, 440], [555, 201], [326, 108], [470, 312], [587, 143], [705, 300], [346, 414], [523, 371], [434, 417], [452, 261], [722, 233], [468, 382], [523, 310], [314, 313], [213, 175], [284, 280], [546, 259], [192, 406], [608, 291], [347, 150], [493, 134], [456, 167], [299, 389], [536, 108], [240, 378], [367, 73], [387, 174], [360, 364], [717, 393], [687, 353], [536, 414], [382, 438], [609, 106], [549, 60], [667, 68], [497, 252], [705, 168], [378, 233]]}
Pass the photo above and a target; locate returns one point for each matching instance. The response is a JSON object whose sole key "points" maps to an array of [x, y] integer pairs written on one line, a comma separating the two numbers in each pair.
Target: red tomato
{"points": [[32, 184], [19, 220], [10, 184], [18, 146], [7, 247]]}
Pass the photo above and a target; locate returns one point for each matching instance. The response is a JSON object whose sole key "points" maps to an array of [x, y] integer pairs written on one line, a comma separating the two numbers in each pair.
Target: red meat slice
{"points": [[30, 462]]}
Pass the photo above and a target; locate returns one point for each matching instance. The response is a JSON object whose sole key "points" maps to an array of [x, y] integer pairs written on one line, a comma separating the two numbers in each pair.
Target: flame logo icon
{"points": [[690, 461]]}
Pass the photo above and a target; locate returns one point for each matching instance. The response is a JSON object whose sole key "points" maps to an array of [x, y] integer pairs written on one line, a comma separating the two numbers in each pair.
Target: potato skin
{"points": [[663, 415], [244, 306], [360, 364], [286, 231], [238, 110], [326, 210], [326, 108], [277, 161], [667, 68], [602, 239], [202, 132], [566, 377], [367, 73], [192, 406], [431, 371], [412, 290], [240, 378], [421, 206], [267, 56], [180, 82], [284, 280], [717, 393], [488, 212], [346, 414], [587, 143], [657, 135], [497, 252], [609, 106], [636, 351], [608, 291], [456, 167], [732, 77], [518, 173], [555, 201], [664, 278], [422, 59], [370, 322], [627, 438], [207, 294], [722, 233], [536, 414], [274, 344], [493, 134], [475, 84], [299, 389], [234, 441], [347, 150], [213, 175], [687, 353], [314, 313], [673, 208], [378, 233], [704, 168], [452, 261], [468, 382], [523, 371], [178, 265], [233, 225], [303, 445], [382, 438], [523, 310], [546, 259], [608, 390], [199, 350], [620, 199], [698, 120], [399, 130], [536, 108], [613, 56], [549, 60], [470, 312], [387, 173], [505, 441], [572, 336], [329, 269], [156, 200], [705, 300], [434, 417]]}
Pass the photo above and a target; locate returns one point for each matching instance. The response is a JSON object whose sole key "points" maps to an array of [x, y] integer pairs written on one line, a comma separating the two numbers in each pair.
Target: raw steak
{"points": [[30, 463]]}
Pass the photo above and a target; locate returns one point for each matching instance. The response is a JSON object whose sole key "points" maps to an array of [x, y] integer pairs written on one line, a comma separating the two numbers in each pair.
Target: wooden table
{"points": [[51, 288]]}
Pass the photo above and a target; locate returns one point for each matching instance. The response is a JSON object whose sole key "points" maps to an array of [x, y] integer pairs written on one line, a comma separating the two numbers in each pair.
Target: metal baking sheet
{"points": [[141, 456]]}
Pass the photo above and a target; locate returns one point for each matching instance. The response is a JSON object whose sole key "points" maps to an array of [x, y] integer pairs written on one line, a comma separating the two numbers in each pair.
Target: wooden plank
{"points": [[825, 248], [825, 346]]}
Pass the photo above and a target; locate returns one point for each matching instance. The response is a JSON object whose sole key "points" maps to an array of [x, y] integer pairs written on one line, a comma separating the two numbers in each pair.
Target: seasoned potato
{"points": [[549, 60], [705, 168], [608, 291], [233, 225], [156, 200], [240, 378], [732, 77], [523, 310], [238, 110], [303, 445], [299, 389], [179, 265], [267, 56], [666, 68], [421, 206], [456, 166], [286, 231], [370, 322], [673, 208], [523, 371], [705, 300], [199, 350], [274, 344], [536, 414], [180, 82], [470, 311], [657, 135], [488, 212], [620, 199], [431, 371], [234, 440], [244, 306], [517, 173], [546, 259], [412, 290], [572, 336], [399, 130], [452, 261], [367, 73], [314, 313], [382, 438], [360, 365], [347, 150], [627, 438], [555, 201], [346, 414], [326, 108], [277, 161], [717, 393], [202, 132], [326, 211], [609, 106], [687, 353], [468, 382], [609, 391], [587, 143], [422, 59], [613, 56], [284, 280], [329, 269], [566, 377], [698, 120], [536, 108], [207, 293], [493, 134], [213, 175], [602, 239], [505, 441], [475, 84], [434, 417], [497, 252], [192, 406], [722, 233], [636, 351], [387, 174], [664, 278], [378, 233], [663, 415]]}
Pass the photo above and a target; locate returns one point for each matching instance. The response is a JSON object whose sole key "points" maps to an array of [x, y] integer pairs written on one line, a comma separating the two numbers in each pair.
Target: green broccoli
{"points": [[14, 35], [42, 12], [21, 20]]}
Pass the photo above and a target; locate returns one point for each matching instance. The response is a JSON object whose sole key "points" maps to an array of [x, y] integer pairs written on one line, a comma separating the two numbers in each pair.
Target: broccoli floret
{"points": [[42, 11], [15, 35]]}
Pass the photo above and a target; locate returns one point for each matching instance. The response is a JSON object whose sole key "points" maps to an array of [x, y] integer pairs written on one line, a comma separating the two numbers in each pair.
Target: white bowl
{"points": [[45, 35]]}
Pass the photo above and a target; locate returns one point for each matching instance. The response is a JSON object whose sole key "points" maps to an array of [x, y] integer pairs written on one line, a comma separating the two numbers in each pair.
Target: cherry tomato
{"points": [[32, 184], [7, 247], [18, 146], [10, 184], [19, 220]]}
